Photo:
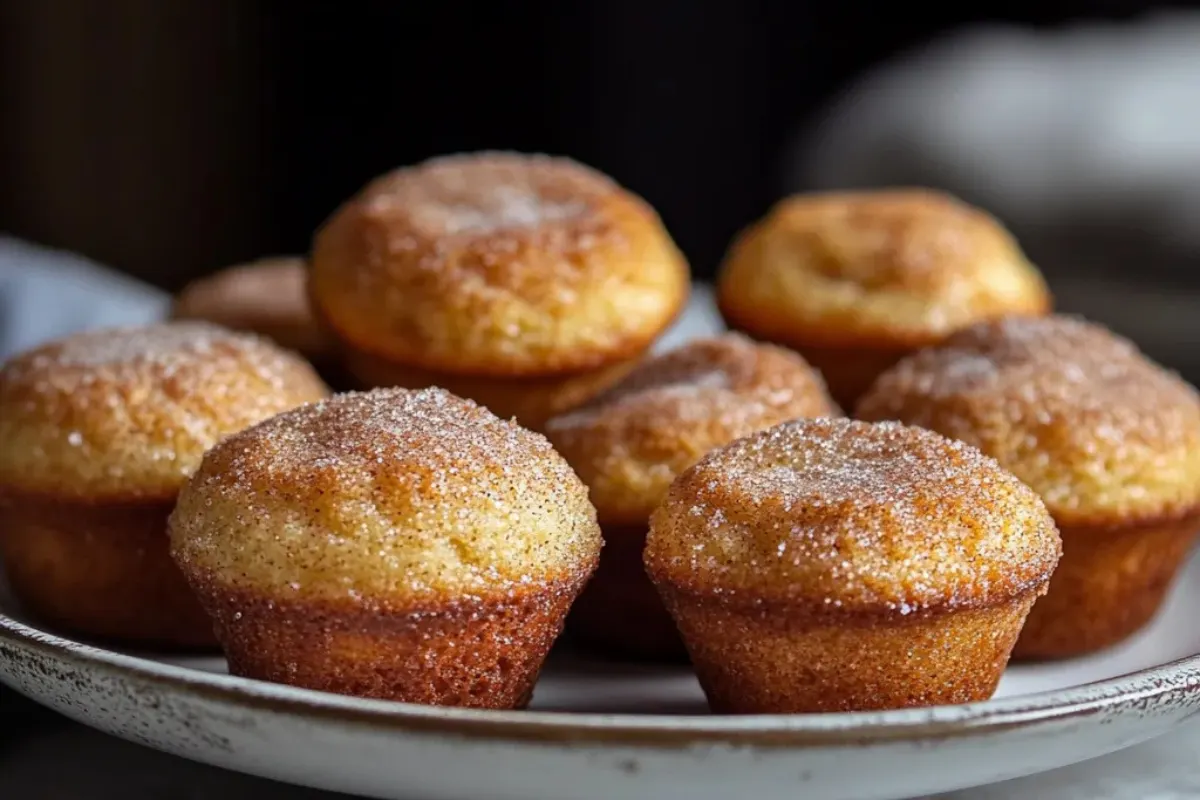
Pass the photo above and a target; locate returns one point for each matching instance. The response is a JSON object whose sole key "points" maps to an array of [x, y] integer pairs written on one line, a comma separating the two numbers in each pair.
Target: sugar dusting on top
{"points": [[1072, 409], [899, 266], [630, 442], [913, 239], [497, 263], [391, 496], [128, 412], [841, 514], [497, 194]]}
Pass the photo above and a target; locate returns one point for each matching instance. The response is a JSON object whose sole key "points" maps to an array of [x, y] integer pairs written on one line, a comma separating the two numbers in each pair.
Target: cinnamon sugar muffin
{"points": [[528, 283], [98, 431], [631, 442], [396, 544], [268, 297], [1110, 440], [836, 565], [856, 280]]}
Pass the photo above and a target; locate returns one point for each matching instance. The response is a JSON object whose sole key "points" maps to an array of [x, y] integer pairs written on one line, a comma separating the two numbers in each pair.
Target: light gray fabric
{"points": [[47, 293], [1090, 134]]}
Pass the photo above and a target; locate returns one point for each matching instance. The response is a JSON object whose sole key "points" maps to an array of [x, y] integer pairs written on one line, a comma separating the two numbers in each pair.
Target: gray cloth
{"points": [[47, 293]]}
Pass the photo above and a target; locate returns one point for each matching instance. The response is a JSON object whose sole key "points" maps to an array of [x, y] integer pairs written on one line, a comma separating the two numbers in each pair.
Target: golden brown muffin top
{"points": [[899, 267], [1102, 433], [497, 264], [390, 498], [126, 413], [631, 442], [268, 297], [846, 516]]}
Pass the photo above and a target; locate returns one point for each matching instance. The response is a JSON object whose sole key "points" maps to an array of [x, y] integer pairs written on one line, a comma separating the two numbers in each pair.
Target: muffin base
{"points": [[1109, 584], [619, 613], [481, 654], [102, 571], [530, 400], [769, 660]]}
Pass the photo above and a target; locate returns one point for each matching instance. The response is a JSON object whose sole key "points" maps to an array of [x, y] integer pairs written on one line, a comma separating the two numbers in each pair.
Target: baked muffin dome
{"points": [[830, 564], [860, 517], [399, 544], [1110, 440], [98, 431], [630, 443], [868, 276], [497, 264], [127, 413], [1073, 410], [405, 497], [268, 297]]}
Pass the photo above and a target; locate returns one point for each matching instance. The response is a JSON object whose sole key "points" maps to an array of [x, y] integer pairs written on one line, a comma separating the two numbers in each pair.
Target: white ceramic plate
{"points": [[598, 730]]}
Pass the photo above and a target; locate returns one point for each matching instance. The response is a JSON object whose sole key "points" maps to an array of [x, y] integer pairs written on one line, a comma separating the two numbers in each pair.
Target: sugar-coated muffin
{"points": [[632, 441], [527, 283], [837, 565], [1110, 440], [98, 432], [856, 280], [268, 297], [399, 544]]}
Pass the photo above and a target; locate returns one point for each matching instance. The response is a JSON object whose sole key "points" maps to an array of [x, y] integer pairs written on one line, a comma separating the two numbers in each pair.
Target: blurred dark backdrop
{"points": [[171, 138]]}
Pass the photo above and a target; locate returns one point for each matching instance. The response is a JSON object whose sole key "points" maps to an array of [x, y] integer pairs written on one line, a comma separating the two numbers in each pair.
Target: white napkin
{"points": [[48, 293]]}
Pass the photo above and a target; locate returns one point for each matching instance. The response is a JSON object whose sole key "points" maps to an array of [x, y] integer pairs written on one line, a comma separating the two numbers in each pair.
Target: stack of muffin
{"points": [[509, 459]]}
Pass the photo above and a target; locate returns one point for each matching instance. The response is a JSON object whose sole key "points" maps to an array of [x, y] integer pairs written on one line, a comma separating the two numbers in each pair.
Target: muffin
{"points": [[397, 544], [1110, 440], [98, 432], [631, 442], [837, 565], [856, 280], [268, 297], [527, 283]]}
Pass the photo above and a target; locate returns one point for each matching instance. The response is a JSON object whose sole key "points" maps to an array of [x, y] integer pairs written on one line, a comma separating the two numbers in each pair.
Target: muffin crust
{"points": [[126, 414], [902, 267], [497, 264], [630, 442], [856, 280], [406, 545], [268, 297], [836, 565], [845, 516], [98, 431], [1073, 410], [1110, 440], [393, 498]]}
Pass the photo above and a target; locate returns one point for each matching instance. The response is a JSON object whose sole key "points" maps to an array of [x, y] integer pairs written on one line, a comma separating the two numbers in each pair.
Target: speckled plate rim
{"points": [[1165, 683]]}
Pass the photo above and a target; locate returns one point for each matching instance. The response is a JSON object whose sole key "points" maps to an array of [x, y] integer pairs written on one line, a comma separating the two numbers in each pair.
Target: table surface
{"points": [[43, 755]]}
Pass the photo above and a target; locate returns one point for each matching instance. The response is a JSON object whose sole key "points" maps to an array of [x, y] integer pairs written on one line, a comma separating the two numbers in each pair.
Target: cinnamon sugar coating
{"points": [[268, 297], [629, 443], [848, 517], [390, 500], [897, 268], [1103, 434], [497, 264], [125, 414]]}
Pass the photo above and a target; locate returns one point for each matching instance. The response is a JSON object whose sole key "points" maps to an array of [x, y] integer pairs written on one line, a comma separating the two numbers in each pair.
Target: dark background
{"points": [[171, 138]]}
